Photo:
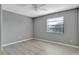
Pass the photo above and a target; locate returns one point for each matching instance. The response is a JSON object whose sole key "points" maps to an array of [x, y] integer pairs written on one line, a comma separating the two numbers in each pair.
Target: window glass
{"points": [[55, 24]]}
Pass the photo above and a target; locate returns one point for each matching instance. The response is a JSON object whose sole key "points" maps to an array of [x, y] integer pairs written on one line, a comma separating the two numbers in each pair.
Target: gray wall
{"points": [[0, 26], [15, 27], [78, 26], [70, 28]]}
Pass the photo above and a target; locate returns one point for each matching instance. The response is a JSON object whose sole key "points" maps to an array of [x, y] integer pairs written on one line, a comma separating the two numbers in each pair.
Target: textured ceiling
{"points": [[30, 11]]}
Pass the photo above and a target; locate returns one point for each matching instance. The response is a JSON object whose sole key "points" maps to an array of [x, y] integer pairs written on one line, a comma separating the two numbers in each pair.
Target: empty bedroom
{"points": [[40, 29]]}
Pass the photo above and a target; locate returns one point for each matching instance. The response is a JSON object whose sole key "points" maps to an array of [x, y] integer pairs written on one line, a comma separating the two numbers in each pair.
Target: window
{"points": [[55, 25]]}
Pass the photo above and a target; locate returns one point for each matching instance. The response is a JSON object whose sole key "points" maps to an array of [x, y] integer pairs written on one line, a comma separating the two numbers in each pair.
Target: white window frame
{"points": [[53, 20]]}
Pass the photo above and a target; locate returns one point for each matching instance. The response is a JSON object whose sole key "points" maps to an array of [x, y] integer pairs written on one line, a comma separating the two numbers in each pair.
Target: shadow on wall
{"points": [[0, 27]]}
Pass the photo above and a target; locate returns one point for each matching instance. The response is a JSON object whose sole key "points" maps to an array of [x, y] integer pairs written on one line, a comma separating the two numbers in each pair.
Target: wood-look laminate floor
{"points": [[37, 47]]}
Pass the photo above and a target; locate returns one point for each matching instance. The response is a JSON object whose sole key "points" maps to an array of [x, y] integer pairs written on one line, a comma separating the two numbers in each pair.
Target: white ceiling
{"points": [[28, 9]]}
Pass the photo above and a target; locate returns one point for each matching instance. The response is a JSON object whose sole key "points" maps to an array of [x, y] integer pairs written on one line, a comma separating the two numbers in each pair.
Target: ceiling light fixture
{"points": [[38, 7]]}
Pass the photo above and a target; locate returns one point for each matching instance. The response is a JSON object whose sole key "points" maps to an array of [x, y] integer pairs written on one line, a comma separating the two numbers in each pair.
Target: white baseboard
{"points": [[68, 45], [4, 45], [41, 40]]}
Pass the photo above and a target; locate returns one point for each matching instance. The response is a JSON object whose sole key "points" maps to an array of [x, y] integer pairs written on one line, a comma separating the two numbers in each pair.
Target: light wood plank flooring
{"points": [[37, 47]]}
